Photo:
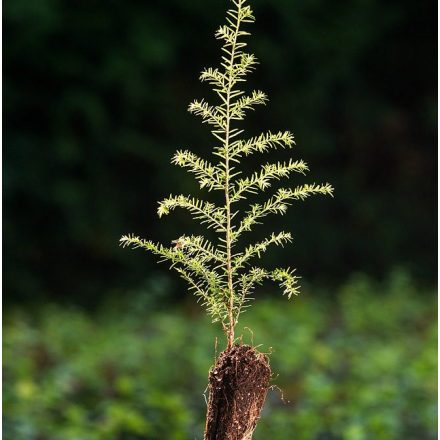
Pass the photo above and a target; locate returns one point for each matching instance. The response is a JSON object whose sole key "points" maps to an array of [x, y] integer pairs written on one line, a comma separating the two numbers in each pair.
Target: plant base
{"points": [[238, 386]]}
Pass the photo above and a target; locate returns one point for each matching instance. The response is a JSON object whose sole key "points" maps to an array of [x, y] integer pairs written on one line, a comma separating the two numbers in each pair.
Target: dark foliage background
{"points": [[94, 105], [100, 343]]}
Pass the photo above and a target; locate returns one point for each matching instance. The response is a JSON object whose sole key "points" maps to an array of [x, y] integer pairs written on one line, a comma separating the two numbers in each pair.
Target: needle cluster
{"points": [[222, 277]]}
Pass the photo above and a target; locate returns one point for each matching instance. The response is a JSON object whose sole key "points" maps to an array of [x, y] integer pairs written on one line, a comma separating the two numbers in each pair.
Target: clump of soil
{"points": [[238, 385]]}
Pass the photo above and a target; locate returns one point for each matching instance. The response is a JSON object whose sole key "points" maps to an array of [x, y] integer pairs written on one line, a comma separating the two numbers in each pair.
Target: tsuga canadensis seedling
{"points": [[221, 275]]}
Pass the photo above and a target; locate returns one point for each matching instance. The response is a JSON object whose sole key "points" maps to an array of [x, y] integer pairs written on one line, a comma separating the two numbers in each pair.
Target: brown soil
{"points": [[238, 384]]}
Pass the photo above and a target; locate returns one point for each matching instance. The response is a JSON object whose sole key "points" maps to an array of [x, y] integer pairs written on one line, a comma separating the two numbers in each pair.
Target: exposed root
{"points": [[238, 385]]}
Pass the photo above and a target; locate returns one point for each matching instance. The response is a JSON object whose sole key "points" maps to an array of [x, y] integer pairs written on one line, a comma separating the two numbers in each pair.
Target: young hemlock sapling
{"points": [[222, 276]]}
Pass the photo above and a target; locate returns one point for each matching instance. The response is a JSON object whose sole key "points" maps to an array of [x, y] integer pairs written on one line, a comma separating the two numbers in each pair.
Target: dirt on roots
{"points": [[238, 385]]}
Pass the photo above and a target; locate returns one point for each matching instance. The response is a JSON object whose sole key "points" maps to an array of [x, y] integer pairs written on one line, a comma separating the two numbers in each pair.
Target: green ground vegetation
{"points": [[358, 363]]}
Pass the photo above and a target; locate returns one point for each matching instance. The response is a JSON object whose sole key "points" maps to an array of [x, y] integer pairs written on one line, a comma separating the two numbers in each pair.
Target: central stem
{"points": [[230, 330], [228, 261]]}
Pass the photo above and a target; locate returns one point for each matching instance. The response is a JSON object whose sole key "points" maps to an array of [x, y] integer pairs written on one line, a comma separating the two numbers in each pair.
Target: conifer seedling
{"points": [[220, 274]]}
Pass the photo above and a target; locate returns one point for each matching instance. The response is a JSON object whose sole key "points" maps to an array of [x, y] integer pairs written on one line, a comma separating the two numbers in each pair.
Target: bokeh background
{"points": [[103, 343]]}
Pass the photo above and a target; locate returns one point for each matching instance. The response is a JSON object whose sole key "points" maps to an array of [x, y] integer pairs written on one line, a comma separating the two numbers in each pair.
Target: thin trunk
{"points": [[230, 332]]}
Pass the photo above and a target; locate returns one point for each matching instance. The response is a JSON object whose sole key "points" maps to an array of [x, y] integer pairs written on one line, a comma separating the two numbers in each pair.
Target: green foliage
{"points": [[361, 365], [218, 273]]}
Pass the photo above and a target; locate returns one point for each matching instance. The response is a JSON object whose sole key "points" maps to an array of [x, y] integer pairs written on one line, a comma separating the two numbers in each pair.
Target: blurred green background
{"points": [[101, 342]]}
